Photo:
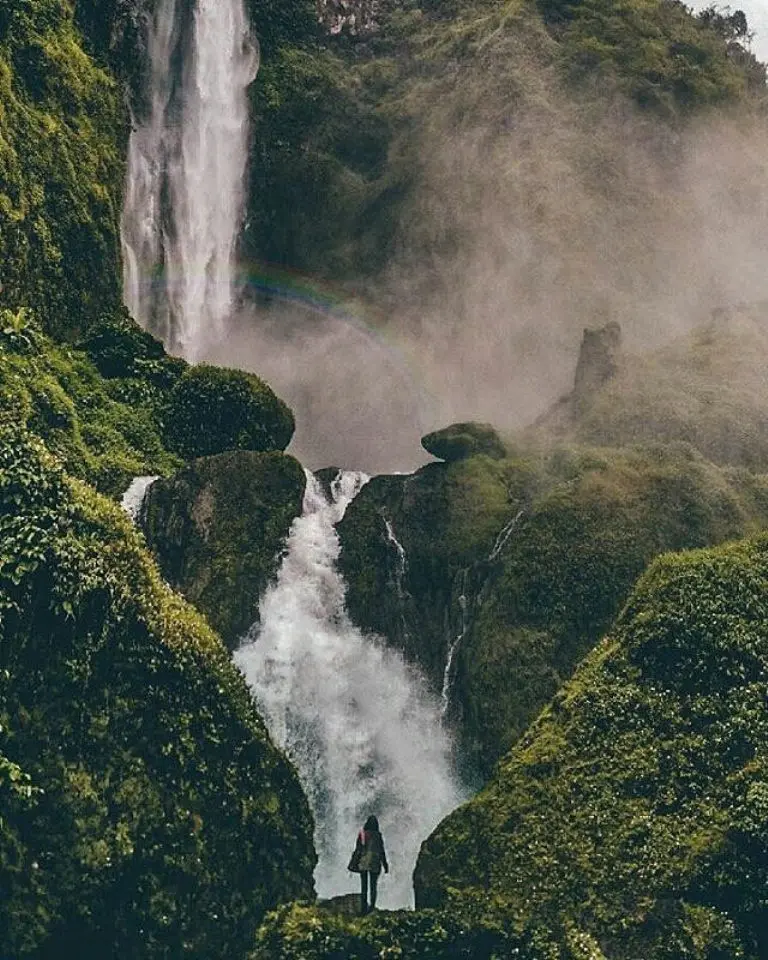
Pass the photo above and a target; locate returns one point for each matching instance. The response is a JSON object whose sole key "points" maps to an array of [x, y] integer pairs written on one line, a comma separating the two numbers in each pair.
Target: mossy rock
{"points": [[635, 805], [212, 409], [303, 932], [462, 440], [217, 528], [151, 815]]}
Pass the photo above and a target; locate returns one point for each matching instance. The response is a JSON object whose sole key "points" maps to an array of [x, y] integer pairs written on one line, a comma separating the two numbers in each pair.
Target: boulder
{"points": [[463, 440], [217, 528]]}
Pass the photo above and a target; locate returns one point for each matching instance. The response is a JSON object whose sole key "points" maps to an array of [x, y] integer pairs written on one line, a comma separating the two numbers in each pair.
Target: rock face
{"points": [[145, 811], [634, 808], [598, 360], [217, 528], [462, 440]]}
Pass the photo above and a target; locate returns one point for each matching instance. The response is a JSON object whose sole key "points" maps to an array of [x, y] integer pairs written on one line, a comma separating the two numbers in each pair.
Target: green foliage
{"points": [[211, 410], [120, 348], [634, 805], [163, 821], [62, 132], [217, 529], [58, 393], [299, 932]]}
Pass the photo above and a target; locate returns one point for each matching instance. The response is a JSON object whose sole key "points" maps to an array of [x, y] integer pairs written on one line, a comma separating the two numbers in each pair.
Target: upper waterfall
{"points": [[185, 192], [359, 724]]}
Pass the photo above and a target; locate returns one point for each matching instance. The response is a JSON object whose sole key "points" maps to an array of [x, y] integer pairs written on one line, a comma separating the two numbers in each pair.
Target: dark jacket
{"points": [[373, 856]]}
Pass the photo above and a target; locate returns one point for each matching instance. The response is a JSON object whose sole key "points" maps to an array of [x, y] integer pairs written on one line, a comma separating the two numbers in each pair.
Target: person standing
{"points": [[368, 858]]}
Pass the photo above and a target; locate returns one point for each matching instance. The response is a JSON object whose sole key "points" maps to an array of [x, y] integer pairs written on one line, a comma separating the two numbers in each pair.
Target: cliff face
{"points": [[630, 809]]}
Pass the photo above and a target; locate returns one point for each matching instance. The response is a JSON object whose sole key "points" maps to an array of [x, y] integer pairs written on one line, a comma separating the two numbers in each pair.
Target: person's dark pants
{"points": [[364, 908]]}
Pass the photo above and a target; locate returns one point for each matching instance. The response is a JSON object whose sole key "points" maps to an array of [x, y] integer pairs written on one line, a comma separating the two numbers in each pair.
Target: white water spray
{"points": [[133, 499], [361, 727], [184, 194]]}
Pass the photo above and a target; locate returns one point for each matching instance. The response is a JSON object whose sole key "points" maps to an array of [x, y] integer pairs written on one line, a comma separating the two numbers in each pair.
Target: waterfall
{"points": [[184, 193], [133, 499], [359, 724]]}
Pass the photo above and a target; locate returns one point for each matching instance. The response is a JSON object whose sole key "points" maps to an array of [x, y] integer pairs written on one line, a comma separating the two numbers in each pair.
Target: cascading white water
{"points": [[133, 499], [361, 727], [184, 194]]}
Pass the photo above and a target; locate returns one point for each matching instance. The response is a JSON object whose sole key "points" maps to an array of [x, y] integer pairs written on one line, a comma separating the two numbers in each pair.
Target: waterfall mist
{"points": [[184, 192], [359, 724]]}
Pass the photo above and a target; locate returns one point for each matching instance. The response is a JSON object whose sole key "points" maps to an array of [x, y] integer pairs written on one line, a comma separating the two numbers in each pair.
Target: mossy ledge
{"points": [[143, 808]]}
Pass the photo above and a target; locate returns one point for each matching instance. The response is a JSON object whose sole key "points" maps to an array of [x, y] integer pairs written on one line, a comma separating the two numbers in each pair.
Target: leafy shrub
{"points": [[211, 410], [120, 348]]}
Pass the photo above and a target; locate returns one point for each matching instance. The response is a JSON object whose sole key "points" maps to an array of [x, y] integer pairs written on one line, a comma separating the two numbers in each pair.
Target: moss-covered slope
{"points": [[525, 563], [144, 810], [217, 528], [707, 388], [635, 805], [63, 129]]}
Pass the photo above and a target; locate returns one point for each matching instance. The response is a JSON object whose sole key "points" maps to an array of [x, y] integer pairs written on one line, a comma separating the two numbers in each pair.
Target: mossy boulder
{"points": [[217, 528], [145, 811], [446, 517], [635, 805], [303, 932], [211, 409], [462, 440]]}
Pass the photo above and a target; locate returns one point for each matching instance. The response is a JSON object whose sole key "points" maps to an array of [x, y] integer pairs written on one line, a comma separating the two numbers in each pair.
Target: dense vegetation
{"points": [[346, 125], [635, 806], [63, 131], [144, 808], [104, 430]]}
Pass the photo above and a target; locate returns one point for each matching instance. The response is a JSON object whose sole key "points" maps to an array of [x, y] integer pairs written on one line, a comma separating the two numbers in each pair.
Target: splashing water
{"points": [[133, 499], [184, 194], [360, 726]]}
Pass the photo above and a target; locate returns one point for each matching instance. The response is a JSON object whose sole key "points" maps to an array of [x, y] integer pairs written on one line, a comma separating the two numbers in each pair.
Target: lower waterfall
{"points": [[360, 725]]}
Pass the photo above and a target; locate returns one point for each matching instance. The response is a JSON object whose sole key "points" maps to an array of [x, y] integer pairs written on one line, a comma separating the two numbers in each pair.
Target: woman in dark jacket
{"points": [[370, 856]]}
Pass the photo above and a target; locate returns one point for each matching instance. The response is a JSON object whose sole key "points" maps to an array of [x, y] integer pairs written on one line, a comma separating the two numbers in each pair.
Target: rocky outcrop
{"points": [[598, 360], [633, 809], [145, 811], [217, 528], [462, 440], [707, 389]]}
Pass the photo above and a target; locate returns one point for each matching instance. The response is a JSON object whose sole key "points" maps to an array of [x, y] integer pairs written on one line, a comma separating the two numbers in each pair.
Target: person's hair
{"points": [[371, 824]]}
